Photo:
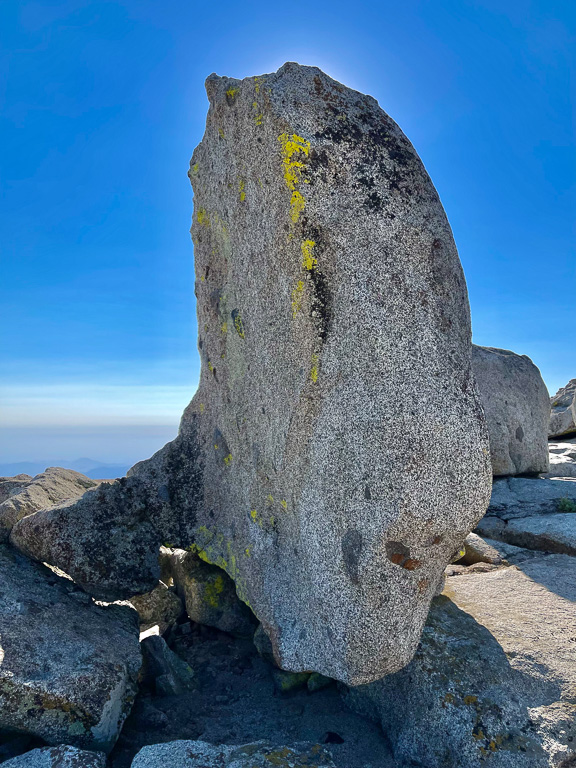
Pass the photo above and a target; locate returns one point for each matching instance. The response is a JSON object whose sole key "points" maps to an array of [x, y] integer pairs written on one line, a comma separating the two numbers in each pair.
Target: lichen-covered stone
{"points": [[493, 682], [563, 413], [161, 607], [53, 486], [200, 754], [209, 595], [517, 408], [335, 455], [68, 669], [58, 757]]}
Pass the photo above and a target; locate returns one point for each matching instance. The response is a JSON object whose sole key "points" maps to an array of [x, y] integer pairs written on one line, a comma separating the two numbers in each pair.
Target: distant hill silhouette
{"points": [[88, 467]]}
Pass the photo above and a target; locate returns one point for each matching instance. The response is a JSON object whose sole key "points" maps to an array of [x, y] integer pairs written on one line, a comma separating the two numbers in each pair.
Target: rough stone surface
{"points": [[316, 463], [493, 682], [563, 414], [479, 551], [58, 757], [161, 607], [550, 533], [12, 485], [68, 668], [209, 595], [49, 488], [107, 541], [164, 668], [517, 408], [524, 497], [199, 754], [562, 459]]}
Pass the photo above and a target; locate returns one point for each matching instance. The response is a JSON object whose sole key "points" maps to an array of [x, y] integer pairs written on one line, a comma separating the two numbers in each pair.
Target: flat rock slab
{"points": [[199, 754], [517, 408], [494, 679], [515, 497], [68, 668], [562, 459], [58, 757], [51, 487], [549, 533]]}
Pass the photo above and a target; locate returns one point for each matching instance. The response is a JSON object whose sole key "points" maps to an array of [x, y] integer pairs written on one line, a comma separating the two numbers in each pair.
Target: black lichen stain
{"points": [[321, 300], [351, 550]]}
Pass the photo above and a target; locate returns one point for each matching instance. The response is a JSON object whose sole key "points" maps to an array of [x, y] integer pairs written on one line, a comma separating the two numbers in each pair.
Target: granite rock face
{"points": [[517, 408], [493, 682], [563, 415], [46, 489], [68, 668], [316, 463], [200, 754], [58, 757]]}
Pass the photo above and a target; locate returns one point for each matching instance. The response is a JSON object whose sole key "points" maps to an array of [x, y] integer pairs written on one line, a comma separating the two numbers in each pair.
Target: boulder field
{"points": [[320, 570]]}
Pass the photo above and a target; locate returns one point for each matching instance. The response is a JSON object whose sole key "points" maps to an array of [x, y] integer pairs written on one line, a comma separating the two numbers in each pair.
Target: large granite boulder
{"points": [[563, 414], [336, 454], [46, 489], [517, 408], [68, 668], [493, 682], [200, 754], [58, 757], [161, 608]]}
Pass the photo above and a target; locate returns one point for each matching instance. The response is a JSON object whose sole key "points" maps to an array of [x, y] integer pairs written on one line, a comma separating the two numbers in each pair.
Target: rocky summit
{"points": [[335, 455]]}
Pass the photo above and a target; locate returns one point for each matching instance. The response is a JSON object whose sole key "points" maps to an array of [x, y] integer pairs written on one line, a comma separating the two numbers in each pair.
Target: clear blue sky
{"points": [[102, 104]]}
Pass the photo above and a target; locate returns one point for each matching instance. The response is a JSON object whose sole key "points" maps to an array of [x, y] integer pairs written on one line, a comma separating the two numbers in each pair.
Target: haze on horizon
{"points": [[102, 105]]}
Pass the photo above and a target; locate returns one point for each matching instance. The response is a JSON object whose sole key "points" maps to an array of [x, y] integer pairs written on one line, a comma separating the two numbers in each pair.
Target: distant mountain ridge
{"points": [[88, 467]]}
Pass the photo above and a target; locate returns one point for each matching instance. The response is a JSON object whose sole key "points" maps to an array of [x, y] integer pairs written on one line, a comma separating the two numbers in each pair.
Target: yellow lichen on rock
{"points": [[294, 146]]}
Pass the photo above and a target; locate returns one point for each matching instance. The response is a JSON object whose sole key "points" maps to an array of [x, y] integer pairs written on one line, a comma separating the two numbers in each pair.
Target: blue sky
{"points": [[102, 104]]}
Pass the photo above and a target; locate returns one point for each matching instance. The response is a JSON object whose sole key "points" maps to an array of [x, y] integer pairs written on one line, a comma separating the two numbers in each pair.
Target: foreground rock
{"points": [[517, 408], [49, 488], [68, 668], [164, 670], [209, 595], [477, 550], [58, 757], [199, 754], [335, 455], [494, 680], [563, 459], [563, 415]]}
